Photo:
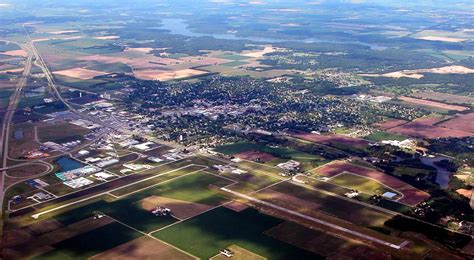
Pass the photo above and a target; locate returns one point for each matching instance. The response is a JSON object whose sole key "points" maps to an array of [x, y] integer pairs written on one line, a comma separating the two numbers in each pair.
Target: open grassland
{"points": [[207, 234]]}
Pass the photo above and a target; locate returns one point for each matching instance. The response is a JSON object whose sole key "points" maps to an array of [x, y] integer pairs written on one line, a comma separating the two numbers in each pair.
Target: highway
{"points": [[12, 105]]}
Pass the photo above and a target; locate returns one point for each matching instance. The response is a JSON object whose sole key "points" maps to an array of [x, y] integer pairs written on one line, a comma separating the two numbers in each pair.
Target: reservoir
{"points": [[66, 163]]}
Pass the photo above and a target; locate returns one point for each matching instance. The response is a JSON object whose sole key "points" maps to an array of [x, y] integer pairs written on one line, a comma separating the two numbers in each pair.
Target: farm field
{"points": [[426, 128], [433, 104], [142, 248], [331, 139], [445, 97], [462, 122], [216, 233], [91, 243], [390, 123]]}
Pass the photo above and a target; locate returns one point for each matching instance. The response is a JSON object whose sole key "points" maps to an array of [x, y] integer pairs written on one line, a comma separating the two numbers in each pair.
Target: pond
{"points": [[66, 163]]}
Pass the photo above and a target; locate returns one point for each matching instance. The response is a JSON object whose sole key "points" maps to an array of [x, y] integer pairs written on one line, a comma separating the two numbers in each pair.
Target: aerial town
{"points": [[237, 129]]}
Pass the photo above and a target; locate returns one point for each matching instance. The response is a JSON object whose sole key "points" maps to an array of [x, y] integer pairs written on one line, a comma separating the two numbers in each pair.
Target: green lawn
{"points": [[382, 135], [210, 232], [91, 243], [360, 183]]}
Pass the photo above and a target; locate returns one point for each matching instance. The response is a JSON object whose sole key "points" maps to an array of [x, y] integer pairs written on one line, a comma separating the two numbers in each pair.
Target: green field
{"points": [[192, 188], [259, 168], [210, 232], [306, 159], [91, 243], [154, 181], [235, 63], [382, 135], [79, 83], [234, 57], [360, 183]]}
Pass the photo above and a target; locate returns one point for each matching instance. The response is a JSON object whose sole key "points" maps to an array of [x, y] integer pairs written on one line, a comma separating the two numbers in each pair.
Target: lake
{"points": [[179, 26]]}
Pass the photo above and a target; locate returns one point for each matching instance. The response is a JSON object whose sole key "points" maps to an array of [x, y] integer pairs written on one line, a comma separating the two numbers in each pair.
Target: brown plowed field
{"points": [[425, 128], [391, 123], [143, 248], [434, 104], [329, 139], [253, 155], [463, 123]]}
